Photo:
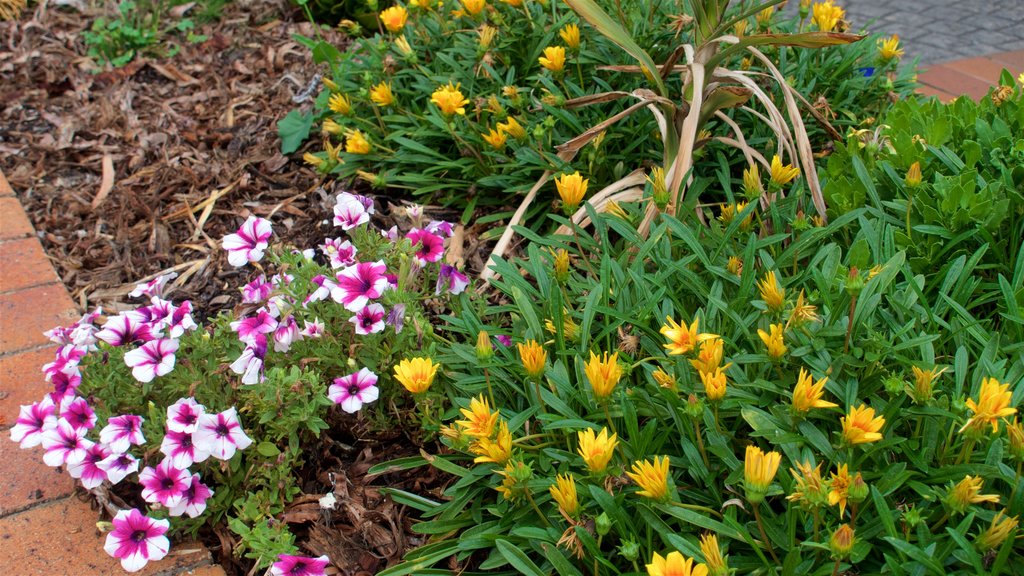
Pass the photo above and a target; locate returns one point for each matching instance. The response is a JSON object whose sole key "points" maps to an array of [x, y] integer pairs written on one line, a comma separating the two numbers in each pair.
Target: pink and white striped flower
{"points": [[154, 287], [249, 328], [450, 280], [221, 434], [77, 412], [66, 360], [249, 242], [181, 320], [324, 288], [314, 329], [391, 234], [287, 332], [126, 329], [339, 253], [88, 470], [152, 359], [65, 384], [193, 501], [136, 539], [287, 565], [80, 333], [369, 320], [350, 211], [180, 449], [441, 228], [157, 315], [257, 291], [64, 444], [354, 390], [250, 364], [118, 466], [360, 283], [165, 484], [429, 246], [123, 431], [183, 415], [396, 318], [32, 421]]}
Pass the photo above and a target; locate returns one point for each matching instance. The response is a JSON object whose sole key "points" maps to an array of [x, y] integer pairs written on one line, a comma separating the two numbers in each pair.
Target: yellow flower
{"points": [[597, 450], [515, 484], [889, 48], [652, 478], [993, 403], [381, 94], [512, 127], [709, 358], [422, 4], [839, 488], [331, 127], [533, 357], [665, 380], [730, 211], [1015, 434], [480, 420], [715, 384], [570, 34], [570, 329], [487, 34], [773, 294], [603, 373], [513, 3], [394, 18], [416, 374], [402, 44], [809, 489], [340, 104], [474, 7], [841, 542], [924, 383], [764, 17], [826, 15], [553, 58], [560, 265], [913, 177], [497, 450], [330, 84], [450, 100], [496, 138], [773, 341], [564, 493], [716, 564], [682, 339], [759, 469], [312, 159], [675, 564], [782, 174], [1001, 528], [659, 189], [807, 393], [861, 426], [802, 312], [571, 188], [356, 143], [735, 265], [967, 492]]}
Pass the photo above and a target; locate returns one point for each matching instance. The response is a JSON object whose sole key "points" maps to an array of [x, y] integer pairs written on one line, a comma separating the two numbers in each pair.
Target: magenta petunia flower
{"points": [[165, 484], [118, 466], [503, 340], [441, 228], [339, 253], [181, 450], [154, 287], [65, 385], [324, 287], [249, 328], [183, 415], [32, 421], [429, 247], [88, 470], [152, 359], [221, 434], [193, 502], [81, 333], [136, 539], [156, 315], [450, 280], [126, 329], [123, 431], [350, 211], [287, 332], [314, 329], [391, 234], [299, 566], [369, 320], [66, 360], [249, 242], [257, 291], [77, 412], [354, 390], [250, 364], [64, 444], [360, 283], [181, 320]]}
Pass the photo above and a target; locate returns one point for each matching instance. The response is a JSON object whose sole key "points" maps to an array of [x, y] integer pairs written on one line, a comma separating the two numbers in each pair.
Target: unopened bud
{"points": [[841, 542], [603, 524], [913, 178]]}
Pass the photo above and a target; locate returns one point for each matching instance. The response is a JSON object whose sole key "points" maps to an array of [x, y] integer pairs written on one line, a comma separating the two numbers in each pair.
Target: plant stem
{"points": [[764, 535], [849, 326], [536, 509], [700, 443], [835, 570], [490, 391], [608, 416]]}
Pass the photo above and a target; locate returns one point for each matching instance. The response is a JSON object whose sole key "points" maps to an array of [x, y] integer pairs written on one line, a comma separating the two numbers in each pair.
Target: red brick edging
{"points": [[970, 77], [45, 529]]}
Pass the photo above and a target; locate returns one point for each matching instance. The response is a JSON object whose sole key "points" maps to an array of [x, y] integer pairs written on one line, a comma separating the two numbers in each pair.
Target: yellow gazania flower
{"points": [[330, 84], [759, 469], [570, 34], [652, 478], [924, 383], [730, 211], [597, 450], [735, 266], [807, 393], [827, 16], [967, 492], [421, 4], [716, 564], [533, 357], [513, 128], [665, 380], [715, 384], [495, 138], [993, 403], [394, 18], [416, 374], [381, 94], [331, 127], [913, 177], [570, 329], [513, 3], [841, 542], [402, 44], [839, 488], [474, 7], [603, 373], [739, 29], [1001, 528], [480, 419], [312, 159], [517, 475], [560, 265], [497, 450], [709, 358], [487, 34], [553, 58], [773, 294], [889, 48], [675, 564], [782, 174], [773, 341], [861, 426], [563, 491], [450, 100], [809, 489], [802, 312], [356, 142], [340, 104], [682, 339], [752, 186], [1015, 434], [571, 189]]}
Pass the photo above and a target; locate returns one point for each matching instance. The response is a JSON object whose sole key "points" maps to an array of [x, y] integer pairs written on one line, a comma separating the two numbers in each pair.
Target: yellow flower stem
{"points": [[540, 401], [941, 522], [457, 138], [849, 327], [966, 452], [586, 262], [835, 569], [608, 416], [530, 437], [636, 364], [817, 524], [1016, 481], [764, 535], [490, 391], [533, 504], [910, 203], [380, 120], [579, 67], [529, 17], [700, 442]]}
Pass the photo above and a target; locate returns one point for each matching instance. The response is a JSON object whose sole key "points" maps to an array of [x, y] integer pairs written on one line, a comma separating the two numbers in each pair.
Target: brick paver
{"points": [[26, 314], [971, 76], [26, 481], [21, 265], [21, 382]]}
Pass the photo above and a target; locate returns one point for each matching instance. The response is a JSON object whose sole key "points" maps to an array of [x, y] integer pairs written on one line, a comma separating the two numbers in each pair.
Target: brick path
{"points": [[971, 76], [45, 528]]}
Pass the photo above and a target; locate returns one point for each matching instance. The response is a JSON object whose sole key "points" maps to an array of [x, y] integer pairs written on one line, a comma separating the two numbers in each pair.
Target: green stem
{"points": [[764, 535], [536, 509], [700, 442]]}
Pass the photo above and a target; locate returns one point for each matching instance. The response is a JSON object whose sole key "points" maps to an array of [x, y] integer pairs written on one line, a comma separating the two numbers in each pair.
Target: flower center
{"points": [[353, 390], [221, 430], [139, 536]]}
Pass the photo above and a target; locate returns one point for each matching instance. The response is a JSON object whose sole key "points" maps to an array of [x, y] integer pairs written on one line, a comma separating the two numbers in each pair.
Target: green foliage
{"points": [[138, 29]]}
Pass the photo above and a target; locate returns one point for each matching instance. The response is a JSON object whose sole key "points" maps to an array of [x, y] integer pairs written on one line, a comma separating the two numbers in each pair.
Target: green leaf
{"points": [[268, 449], [293, 130], [518, 559]]}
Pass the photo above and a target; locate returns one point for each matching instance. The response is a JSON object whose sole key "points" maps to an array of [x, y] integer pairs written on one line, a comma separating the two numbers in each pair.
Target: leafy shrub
{"points": [[139, 29]]}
